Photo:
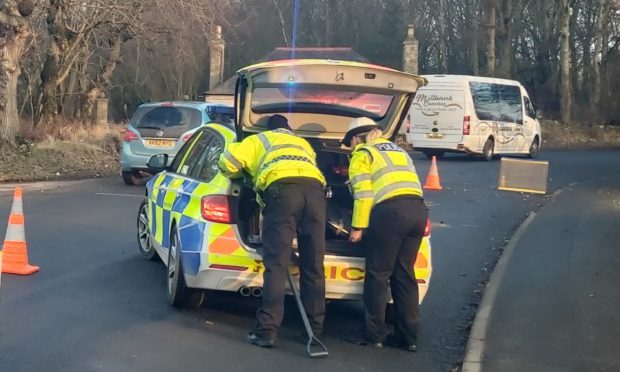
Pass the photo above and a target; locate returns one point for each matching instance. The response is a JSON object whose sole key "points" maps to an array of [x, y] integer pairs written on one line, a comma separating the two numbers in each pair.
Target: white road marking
{"points": [[125, 195]]}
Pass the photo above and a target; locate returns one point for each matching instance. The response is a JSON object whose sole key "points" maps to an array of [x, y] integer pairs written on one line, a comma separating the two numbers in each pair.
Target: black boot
{"points": [[394, 341], [258, 340], [359, 339]]}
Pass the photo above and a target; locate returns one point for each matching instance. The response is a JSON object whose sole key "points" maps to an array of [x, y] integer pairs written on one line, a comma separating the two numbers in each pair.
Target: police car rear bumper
{"points": [[232, 279]]}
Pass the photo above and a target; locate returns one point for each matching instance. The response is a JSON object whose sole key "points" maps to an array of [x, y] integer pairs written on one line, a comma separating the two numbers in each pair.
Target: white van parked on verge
{"points": [[474, 115]]}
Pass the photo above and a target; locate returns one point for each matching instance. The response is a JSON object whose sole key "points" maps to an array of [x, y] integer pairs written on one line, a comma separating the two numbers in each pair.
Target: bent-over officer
{"points": [[284, 172], [390, 213]]}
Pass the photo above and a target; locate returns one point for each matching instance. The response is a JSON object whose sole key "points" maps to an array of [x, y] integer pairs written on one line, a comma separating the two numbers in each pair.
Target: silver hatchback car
{"points": [[163, 128]]}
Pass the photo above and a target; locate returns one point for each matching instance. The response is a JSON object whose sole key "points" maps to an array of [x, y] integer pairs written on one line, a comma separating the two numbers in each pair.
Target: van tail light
{"points": [[408, 126], [427, 228], [129, 135], [215, 208], [466, 124], [187, 137]]}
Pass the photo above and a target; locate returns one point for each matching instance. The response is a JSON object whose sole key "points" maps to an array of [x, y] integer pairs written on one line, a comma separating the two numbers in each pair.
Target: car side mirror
{"points": [[539, 114], [158, 162]]}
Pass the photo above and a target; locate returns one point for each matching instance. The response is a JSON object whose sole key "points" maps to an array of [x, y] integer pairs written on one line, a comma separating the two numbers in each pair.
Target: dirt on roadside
{"points": [[60, 161], [66, 151]]}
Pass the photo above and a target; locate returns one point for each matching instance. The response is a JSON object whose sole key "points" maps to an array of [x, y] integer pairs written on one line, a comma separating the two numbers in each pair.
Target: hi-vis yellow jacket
{"points": [[270, 156], [377, 172]]}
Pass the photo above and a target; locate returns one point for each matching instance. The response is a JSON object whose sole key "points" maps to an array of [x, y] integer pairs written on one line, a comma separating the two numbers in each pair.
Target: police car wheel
{"points": [[145, 244], [488, 151], [179, 295]]}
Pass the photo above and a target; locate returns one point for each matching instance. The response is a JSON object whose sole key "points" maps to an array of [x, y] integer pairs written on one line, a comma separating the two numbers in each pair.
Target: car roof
{"points": [[215, 124], [189, 104]]}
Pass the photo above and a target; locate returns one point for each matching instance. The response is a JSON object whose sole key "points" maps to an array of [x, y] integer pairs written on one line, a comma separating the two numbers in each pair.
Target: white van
{"points": [[474, 115]]}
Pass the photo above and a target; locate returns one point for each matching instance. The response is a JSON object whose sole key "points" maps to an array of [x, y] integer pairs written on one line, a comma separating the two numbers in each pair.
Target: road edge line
{"points": [[474, 350]]}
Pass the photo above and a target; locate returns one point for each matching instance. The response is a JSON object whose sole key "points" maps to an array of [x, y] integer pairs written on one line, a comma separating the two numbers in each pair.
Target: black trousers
{"points": [[293, 207], [392, 242]]}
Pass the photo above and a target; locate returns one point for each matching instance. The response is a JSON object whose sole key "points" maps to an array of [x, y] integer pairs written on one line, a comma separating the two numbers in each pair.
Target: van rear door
{"points": [[437, 116]]}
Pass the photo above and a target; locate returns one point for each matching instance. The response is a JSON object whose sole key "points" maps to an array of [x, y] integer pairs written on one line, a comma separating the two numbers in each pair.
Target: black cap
{"points": [[278, 122]]}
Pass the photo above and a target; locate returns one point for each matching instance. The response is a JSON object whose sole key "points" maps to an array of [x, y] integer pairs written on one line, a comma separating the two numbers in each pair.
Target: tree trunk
{"points": [[509, 15], [13, 34], [10, 55], [475, 63], [490, 12], [105, 77], [596, 62], [282, 22], [566, 94], [605, 91], [580, 67], [504, 40], [443, 43], [65, 48], [48, 104]]}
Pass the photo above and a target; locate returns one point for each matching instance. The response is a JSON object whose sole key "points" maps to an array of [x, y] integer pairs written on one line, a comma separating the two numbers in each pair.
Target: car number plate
{"points": [[434, 135], [160, 143]]}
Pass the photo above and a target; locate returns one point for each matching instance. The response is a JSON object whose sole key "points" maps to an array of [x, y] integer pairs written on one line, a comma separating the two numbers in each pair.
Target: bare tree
{"points": [[444, 35], [566, 94], [73, 27], [13, 36], [490, 10], [508, 17], [601, 19]]}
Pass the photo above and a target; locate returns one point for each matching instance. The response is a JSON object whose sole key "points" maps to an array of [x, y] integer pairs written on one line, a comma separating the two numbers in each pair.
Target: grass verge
{"points": [[67, 151], [579, 136]]}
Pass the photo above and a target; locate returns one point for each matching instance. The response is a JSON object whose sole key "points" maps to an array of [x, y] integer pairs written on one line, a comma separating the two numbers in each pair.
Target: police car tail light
{"points": [[215, 208], [427, 228], [130, 135], [466, 124]]}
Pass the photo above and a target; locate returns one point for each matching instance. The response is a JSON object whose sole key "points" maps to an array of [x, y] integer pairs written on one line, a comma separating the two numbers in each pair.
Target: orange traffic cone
{"points": [[432, 181], [15, 254]]}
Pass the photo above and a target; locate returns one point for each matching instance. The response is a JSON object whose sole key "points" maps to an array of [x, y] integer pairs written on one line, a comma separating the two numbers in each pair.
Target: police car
{"points": [[206, 228]]}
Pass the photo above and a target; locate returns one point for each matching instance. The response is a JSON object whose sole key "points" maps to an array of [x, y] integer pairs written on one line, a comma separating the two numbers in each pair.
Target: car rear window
{"points": [[299, 98], [221, 114], [164, 117], [497, 102]]}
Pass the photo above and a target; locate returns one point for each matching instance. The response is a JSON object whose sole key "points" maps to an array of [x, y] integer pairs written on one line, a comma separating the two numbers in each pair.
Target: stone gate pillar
{"points": [[216, 63], [410, 52]]}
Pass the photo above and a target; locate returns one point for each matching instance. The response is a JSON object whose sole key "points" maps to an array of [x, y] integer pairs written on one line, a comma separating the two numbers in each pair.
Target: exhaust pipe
{"points": [[257, 292], [245, 291]]}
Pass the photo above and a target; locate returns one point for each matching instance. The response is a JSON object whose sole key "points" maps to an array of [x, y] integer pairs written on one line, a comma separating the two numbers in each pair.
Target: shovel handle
{"points": [[312, 339]]}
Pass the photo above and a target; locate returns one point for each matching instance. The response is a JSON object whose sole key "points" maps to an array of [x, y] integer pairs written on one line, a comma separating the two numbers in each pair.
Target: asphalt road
{"points": [[557, 297], [97, 306]]}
